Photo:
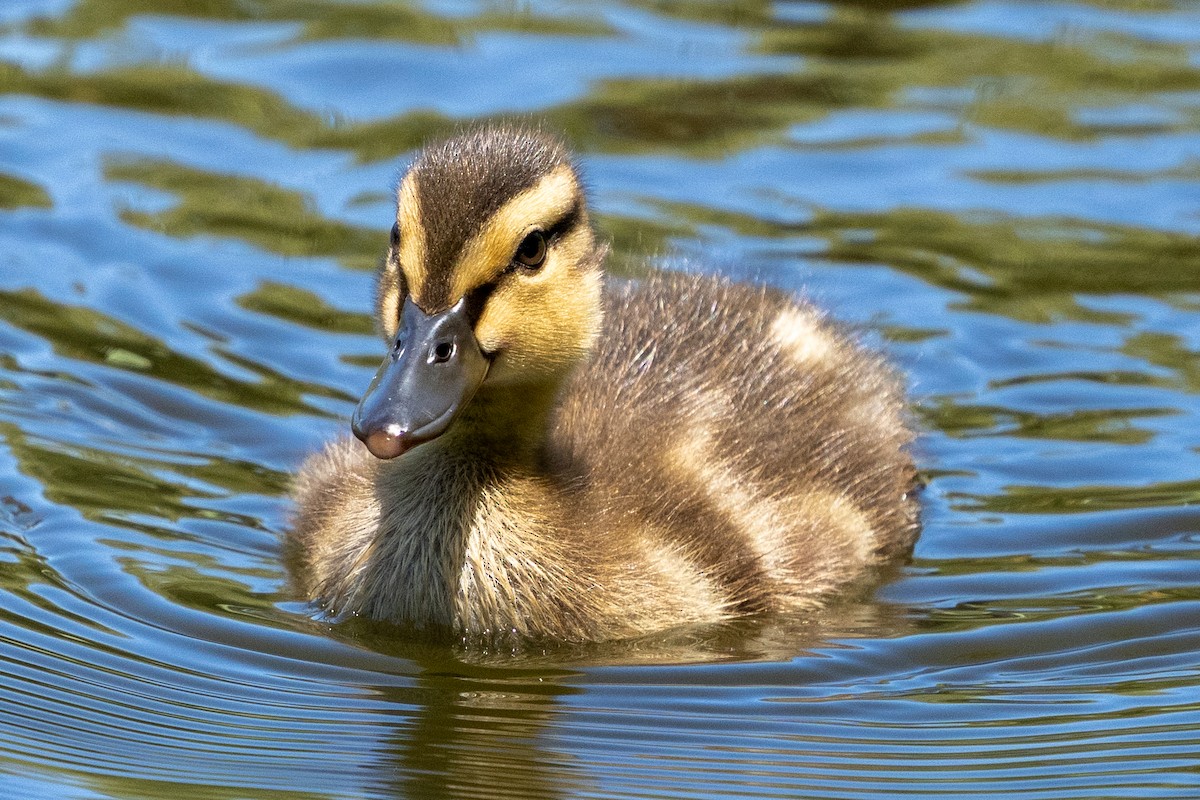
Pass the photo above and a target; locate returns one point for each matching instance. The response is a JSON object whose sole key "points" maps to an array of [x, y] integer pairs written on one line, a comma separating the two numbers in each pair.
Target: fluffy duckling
{"points": [[553, 454]]}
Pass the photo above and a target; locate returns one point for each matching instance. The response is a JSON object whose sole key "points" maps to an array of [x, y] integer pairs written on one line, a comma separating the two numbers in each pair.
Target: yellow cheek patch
{"points": [[412, 235], [490, 250], [539, 328]]}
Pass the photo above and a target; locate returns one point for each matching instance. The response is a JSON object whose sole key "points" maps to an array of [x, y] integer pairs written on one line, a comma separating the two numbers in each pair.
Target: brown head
{"points": [[492, 278]]}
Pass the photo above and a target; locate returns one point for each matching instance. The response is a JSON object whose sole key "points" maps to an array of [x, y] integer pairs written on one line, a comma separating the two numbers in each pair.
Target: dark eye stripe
{"points": [[564, 223], [477, 300]]}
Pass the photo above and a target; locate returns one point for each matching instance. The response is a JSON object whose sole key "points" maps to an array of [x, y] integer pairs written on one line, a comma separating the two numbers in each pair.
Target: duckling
{"points": [[554, 454]]}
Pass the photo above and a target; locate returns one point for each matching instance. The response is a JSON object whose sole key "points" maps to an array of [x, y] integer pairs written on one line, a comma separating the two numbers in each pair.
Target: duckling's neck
{"points": [[504, 425]]}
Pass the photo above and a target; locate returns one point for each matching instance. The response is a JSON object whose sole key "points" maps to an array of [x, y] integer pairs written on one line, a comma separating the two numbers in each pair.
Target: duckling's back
{"points": [[743, 437]]}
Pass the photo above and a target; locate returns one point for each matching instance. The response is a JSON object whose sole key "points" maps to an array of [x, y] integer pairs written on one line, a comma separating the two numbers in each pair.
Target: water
{"points": [[1006, 196]]}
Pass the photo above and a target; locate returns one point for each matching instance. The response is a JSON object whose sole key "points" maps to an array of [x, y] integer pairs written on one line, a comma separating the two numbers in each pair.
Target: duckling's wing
{"points": [[746, 431]]}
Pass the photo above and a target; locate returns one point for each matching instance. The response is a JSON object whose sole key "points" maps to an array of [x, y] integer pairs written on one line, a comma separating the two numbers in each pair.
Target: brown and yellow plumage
{"points": [[612, 457]]}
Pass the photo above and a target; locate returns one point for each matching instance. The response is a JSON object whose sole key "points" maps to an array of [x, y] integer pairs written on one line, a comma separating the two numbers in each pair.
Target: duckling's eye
{"points": [[395, 236], [532, 251]]}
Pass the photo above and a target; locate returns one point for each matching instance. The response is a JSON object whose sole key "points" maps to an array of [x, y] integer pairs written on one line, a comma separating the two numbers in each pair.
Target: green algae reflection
{"points": [[302, 307], [853, 57], [318, 19], [1033, 269], [18, 193], [1029, 499], [84, 334], [267, 216]]}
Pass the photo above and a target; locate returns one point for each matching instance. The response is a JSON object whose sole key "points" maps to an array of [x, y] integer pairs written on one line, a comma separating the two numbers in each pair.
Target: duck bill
{"points": [[429, 376]]}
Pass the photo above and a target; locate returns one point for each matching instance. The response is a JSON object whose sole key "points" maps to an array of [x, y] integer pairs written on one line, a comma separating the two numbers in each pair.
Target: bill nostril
{"points": [[443, 352]]}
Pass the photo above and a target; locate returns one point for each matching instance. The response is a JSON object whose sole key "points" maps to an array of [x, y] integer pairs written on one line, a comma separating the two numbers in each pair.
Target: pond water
{"points": [[1003, 195]]}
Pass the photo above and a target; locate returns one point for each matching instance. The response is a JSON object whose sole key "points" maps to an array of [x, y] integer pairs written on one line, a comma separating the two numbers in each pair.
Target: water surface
{"points": [[1003, 195]]}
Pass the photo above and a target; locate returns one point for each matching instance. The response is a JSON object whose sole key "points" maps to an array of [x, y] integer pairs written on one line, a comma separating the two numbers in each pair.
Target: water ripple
{"points": [[1002, 195]]}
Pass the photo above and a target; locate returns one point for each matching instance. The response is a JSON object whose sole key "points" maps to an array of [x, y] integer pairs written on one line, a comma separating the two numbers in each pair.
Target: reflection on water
{"points": [[1005, 195], [257, 212]]}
